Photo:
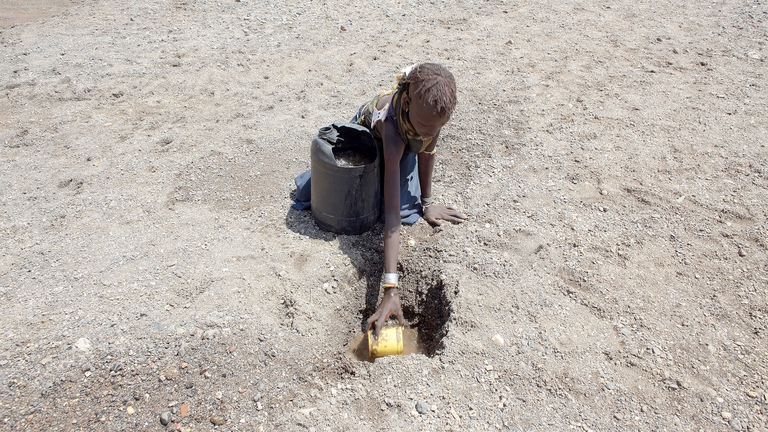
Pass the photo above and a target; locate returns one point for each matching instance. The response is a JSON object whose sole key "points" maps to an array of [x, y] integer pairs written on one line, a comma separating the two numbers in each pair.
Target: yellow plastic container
{"points": [[389, 342]]}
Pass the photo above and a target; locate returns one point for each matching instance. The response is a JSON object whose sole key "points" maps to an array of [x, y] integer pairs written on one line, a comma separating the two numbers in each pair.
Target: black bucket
{"points": [[346, 188]]}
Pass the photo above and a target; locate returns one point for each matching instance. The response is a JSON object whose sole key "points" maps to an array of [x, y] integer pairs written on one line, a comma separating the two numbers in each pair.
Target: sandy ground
{"points": [[611, 156]]}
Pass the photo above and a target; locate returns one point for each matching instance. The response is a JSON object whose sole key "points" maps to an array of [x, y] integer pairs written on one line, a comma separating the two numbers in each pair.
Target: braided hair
{"points": [[435, 84]]}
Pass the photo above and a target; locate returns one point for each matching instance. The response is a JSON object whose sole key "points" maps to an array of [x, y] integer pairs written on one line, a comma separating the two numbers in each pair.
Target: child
{"points": [[406, 123]]}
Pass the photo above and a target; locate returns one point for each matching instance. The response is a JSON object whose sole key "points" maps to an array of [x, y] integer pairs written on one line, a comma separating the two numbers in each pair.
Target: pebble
{"points": [[422, 407], [165, 418], [83, 345], [726, 415], [184, 410], [753, 394], [130, 410], [217, 421], [610, 386], [498, 340], [210, 334]]}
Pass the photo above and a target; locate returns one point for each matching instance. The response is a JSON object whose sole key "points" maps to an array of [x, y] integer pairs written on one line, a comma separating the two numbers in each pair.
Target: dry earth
{"points": [[611, 156]]}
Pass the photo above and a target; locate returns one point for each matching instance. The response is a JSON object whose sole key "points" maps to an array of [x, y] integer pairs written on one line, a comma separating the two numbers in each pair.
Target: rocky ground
{"points": [[611, 157]]}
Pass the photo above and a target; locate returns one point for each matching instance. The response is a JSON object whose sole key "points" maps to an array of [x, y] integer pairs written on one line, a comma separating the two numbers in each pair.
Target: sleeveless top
{"points": [[394, 113]]}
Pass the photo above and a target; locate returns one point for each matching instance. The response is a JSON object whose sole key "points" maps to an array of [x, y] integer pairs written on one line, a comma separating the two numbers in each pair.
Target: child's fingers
{"points": [[370, 320]]}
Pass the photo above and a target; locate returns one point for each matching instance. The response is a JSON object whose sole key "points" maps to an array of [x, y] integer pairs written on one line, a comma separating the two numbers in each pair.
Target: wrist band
{"points": [[390, 279], [427, 201]]}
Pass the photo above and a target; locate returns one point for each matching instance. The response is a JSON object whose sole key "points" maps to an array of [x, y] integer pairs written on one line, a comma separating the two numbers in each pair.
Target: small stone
{"points": [[626, 332], [383, 407], [476, 267], [83, 345], [46, 360], [618, 416], [753, 394], [184, 410], [489, 368], [422, 407], [210, 334], [130, 410], [217, 421], [165, 418], [498, 340], [610, 386], [726, 415], [603, 192], [742, 253]]}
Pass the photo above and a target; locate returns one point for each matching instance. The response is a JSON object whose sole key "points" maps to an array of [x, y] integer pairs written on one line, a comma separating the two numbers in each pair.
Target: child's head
{"points": [[434, 85]]}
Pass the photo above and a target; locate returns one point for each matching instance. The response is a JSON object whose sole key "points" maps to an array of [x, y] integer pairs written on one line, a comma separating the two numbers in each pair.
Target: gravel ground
{"points": [[611, 276]]}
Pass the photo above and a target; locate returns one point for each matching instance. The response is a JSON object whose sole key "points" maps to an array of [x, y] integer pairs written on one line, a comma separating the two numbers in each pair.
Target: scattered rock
{"points": [[165, 418], [210, 334], [130, 409], [83, 345], [498, 340], [184, 410], [726, 415], [422, 407], [217, 421]]}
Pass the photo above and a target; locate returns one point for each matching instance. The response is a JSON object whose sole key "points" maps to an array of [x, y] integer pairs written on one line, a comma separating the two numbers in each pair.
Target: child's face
{"points": [[425, 118]]}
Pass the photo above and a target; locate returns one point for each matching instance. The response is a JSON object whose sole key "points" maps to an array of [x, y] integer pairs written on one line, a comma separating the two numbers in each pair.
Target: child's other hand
{"points": [[436, 214], [390, 305]]}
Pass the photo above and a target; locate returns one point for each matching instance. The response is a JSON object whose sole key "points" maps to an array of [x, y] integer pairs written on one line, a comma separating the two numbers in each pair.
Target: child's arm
{"points": [[434, 214], [393, 152]]}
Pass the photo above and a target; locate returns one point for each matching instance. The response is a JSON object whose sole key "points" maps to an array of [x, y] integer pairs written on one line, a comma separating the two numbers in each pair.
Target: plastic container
{"points": [[389, 342], [346, 179]]}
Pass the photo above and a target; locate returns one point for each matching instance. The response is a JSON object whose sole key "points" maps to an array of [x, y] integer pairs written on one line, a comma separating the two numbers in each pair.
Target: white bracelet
{"points": [[427, 201], [390, 278]]}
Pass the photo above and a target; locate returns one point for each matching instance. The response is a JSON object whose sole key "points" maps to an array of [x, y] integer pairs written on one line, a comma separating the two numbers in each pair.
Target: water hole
{"points": [[426, 297]]}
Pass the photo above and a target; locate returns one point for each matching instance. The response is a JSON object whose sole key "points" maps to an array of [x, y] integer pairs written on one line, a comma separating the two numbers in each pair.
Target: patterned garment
{"points": [[368, 116]]}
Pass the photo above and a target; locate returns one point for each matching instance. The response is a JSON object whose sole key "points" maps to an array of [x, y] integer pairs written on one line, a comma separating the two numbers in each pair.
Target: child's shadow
{"points": [[365, 252]]}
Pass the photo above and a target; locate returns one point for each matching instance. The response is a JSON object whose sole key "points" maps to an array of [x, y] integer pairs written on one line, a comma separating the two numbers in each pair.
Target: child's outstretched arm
{"points": [[435, 214], [390, 302]]}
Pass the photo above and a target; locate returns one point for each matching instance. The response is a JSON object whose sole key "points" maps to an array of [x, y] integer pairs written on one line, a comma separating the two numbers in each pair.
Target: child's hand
{"points": [[390, 305], [436, 214]]}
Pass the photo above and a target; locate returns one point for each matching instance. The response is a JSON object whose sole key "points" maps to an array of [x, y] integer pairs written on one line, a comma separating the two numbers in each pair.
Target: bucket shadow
{"points": [[365, 252]]}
